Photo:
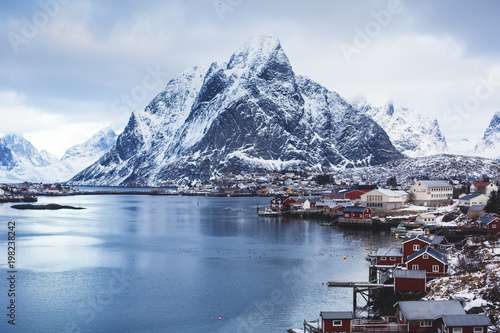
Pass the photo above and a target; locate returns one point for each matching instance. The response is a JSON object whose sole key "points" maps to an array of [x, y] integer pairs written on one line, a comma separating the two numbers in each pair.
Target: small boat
{"points": [[268, 212], [399, 229], [371, 255], [325, 224], [416, 231]]}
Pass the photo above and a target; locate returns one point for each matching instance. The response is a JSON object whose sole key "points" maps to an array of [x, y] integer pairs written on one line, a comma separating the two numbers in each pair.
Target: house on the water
{"points": [[356, 215], [439, 316], [281, 202], [433, 261]]}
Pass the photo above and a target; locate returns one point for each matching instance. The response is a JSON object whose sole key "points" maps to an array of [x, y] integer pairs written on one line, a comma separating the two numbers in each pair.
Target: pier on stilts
{"points": [[363, 288]]}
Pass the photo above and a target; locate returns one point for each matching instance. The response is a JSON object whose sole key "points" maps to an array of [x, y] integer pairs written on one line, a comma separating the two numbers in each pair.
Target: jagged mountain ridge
{"points": [[20, 161], [250, 114], [411, 133], [489, 145]]}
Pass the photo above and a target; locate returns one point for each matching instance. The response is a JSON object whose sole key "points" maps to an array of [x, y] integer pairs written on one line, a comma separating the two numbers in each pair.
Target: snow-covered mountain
{"points": [[23, 152], [489, 145], [80, 156], [252, 113], [411, 133], [20, 161]]}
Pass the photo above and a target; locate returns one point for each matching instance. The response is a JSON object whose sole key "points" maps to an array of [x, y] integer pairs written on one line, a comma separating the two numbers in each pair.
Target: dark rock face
{"points": [[252, 114]]}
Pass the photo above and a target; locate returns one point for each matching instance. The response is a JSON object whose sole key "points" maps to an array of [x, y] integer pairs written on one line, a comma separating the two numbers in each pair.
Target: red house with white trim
{"points": [[489, 222], [439, 316], [392, 256], [336, 321], [357, 213], [281, 202], [433, 261]]}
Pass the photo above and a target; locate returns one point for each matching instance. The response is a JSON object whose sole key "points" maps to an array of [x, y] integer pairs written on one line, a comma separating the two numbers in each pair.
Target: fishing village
{"points": [[449, 234]]}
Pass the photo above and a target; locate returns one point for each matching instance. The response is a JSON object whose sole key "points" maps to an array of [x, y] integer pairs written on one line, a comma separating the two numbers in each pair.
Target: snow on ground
{"points": [[414, 208]]}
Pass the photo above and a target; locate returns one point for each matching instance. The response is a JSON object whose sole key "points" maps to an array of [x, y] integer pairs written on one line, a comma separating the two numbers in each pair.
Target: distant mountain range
{"points": [[20, 161], [411, 133], [252, 113]]}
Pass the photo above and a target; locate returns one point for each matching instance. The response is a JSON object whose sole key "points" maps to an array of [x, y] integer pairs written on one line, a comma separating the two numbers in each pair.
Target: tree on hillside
{"points": [[392, 182], [493, 205]]}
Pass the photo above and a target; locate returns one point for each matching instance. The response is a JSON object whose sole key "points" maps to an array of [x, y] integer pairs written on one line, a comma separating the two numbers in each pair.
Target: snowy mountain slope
{"points": [[489, 145], [442, 166], [250, 114], [20, 161], [23, 152], [411, 133]]}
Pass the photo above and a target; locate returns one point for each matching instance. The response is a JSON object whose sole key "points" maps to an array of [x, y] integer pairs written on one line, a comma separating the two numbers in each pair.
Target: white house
{"points": [[431, 192], [426, 218], [2, 192], [384, 199], [468, 200], [483, 187]]}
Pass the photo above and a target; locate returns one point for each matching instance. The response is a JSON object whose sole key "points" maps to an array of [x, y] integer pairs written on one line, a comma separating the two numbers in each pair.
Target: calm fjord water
{"points": [[139, 263]]}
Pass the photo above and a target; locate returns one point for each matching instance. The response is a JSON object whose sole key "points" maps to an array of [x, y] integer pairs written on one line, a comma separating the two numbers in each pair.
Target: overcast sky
{"points": [[72, 67]]}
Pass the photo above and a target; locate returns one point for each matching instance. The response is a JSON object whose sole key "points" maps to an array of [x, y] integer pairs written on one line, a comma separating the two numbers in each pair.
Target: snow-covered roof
{"points": [[430, 310], [470, 196], [410, 274], [438, 255], [487, 218], [389, 252], [391, 193], [329, 315], [477, 208], [466, 320], [435, 183], [427, 216], [355, 209], [420, 237]]}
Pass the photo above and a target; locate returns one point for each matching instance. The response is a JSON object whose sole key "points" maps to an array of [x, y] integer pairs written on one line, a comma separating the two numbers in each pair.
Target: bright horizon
{"points": [[71, 68]]}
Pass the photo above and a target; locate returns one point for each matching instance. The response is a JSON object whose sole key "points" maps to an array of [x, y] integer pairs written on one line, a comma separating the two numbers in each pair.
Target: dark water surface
{"points": [[137, 263]]}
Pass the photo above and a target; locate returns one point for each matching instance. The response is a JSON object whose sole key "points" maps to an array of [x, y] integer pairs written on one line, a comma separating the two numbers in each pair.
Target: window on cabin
{"points": [[435, 268], [383, 258], [457, 330], [337, 323], [478, 330], [416, 247], [414, 267], [425, 256], [393, 258], [425, 323]]}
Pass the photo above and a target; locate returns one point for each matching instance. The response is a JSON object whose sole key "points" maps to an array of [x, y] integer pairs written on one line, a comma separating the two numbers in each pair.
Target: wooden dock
{"points": [[363, 288]]}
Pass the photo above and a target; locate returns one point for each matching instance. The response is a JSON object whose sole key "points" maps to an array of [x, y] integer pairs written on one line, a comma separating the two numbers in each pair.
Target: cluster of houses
{"points": [[418, 253], [27, 190], [419, 259], [411, 316], [356, 205]]}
